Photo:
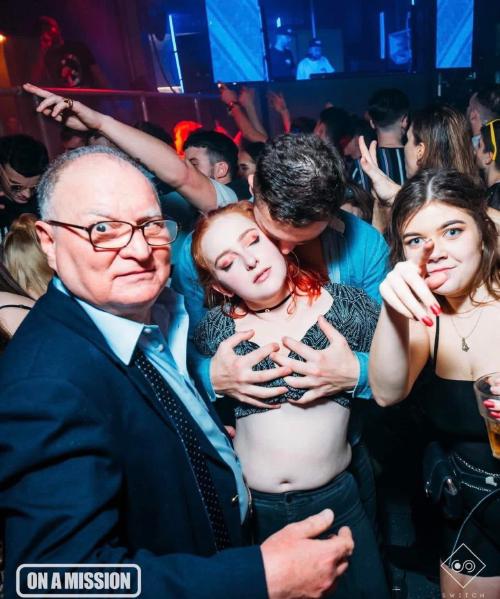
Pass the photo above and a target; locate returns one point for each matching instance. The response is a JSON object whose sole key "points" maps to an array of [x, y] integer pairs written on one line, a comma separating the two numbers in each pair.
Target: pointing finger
{"points": [[424, 257], [33, 89]]}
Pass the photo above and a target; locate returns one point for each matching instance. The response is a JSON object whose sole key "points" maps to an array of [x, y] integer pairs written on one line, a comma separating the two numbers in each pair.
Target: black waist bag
{"points": [[441, 483]]}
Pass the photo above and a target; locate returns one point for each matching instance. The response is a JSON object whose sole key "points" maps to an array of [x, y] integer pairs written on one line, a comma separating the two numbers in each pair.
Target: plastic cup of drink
{"points": [[482, 389]]}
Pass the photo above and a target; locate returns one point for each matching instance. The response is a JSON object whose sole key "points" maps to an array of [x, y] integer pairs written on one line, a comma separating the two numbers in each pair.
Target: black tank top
{"points": [[451, 408]]}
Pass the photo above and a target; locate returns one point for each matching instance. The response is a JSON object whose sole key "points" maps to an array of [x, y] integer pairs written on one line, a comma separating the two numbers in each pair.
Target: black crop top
{"points": [[353, 313]]}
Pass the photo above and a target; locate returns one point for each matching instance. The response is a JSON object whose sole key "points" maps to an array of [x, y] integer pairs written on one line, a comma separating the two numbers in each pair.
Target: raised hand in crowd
{"points": [[384, 189], [384, 186], [72, 113], [156, 155], [227, 95], [278, 103], [247, 97], [244, 115]]}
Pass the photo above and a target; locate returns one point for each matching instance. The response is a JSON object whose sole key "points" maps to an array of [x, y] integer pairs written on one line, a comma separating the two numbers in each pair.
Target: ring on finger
{"points": [[69, 102]]}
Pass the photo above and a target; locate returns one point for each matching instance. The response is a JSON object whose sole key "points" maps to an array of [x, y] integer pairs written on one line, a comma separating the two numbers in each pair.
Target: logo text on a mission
{"points": [[78, 580]]}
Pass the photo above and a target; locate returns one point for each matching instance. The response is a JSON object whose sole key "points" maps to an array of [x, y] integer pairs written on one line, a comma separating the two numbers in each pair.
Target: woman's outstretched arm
{"points": [[400, 345]]}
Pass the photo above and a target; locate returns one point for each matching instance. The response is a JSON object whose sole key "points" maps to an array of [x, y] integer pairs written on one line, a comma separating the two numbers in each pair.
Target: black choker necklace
{"points": [[283, 301]]}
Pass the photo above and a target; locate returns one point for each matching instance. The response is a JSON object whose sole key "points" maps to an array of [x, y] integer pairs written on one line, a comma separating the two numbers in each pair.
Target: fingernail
{"points": [[495, 414], [489, 403], [427, 321], [436, 309]]}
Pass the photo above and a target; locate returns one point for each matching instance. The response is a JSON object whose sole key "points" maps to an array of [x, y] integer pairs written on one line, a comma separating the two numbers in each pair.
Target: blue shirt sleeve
{"points": [[358, 256], [185, 281]]}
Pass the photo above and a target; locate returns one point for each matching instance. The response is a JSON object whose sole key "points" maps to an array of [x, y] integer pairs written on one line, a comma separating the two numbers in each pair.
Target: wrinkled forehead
{"points": [[103, 185]]}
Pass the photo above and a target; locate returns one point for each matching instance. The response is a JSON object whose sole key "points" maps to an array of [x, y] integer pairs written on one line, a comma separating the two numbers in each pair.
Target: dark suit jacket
{"points": [[91, 469]]}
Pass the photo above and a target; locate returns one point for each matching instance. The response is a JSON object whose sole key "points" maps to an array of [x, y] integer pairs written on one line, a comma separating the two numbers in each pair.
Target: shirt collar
{"points": [[122, 334]]}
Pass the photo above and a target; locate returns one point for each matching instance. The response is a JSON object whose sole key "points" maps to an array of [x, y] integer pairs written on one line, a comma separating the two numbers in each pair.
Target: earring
{"points": [[227, 305]]}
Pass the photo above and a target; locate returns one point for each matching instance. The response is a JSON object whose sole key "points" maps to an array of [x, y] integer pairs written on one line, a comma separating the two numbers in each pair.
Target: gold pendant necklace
{"points": [[465, 346]]}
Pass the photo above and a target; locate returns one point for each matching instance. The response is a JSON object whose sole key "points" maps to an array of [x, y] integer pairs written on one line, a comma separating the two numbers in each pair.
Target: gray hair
{"points": [[49, 180]]}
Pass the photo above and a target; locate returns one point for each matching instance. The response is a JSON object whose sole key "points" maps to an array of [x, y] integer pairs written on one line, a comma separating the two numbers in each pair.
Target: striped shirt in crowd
{"points": [[390, 160]]}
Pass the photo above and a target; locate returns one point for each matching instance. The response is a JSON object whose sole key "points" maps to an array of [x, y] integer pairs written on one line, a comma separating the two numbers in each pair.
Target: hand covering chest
{"points": [[353, 313]]}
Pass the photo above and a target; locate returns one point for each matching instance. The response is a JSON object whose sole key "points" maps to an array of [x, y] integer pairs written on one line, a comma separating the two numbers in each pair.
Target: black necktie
{"points": [[187, 434]]}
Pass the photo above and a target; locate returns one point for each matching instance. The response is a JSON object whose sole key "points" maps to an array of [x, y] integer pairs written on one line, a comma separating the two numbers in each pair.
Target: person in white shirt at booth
{"points": [[314, 63]]}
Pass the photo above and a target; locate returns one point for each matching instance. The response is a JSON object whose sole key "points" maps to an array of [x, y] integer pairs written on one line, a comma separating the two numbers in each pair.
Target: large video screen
{"points": [[454, 34], [302, 39], [236, 40]]}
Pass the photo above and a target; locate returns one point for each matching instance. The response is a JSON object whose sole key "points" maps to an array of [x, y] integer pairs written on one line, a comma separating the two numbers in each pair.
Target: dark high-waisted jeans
{"points": [[365, 576]]}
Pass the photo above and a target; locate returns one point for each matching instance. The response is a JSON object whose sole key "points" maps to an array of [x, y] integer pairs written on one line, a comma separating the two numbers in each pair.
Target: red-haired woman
{"points": [[294, 455]]}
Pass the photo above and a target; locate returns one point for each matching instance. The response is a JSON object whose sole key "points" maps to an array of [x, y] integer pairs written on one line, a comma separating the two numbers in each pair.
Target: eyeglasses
{"points": [[117, 234], [12, 189], [493, 137]]}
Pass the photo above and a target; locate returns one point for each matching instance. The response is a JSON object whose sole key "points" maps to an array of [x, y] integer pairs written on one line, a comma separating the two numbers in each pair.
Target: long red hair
{"points": [[301, 281]]}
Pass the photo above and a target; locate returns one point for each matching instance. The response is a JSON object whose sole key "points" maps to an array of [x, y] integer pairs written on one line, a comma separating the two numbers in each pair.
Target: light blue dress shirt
{"points": [[165, 345]]}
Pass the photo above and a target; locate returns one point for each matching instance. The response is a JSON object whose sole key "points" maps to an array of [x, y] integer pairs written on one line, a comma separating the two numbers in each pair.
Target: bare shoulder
{"points": [[10, 315], [494, 214]]}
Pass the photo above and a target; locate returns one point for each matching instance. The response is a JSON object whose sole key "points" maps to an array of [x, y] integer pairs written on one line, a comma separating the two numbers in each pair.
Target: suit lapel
{"points": [[66, 309], [146, 391]]}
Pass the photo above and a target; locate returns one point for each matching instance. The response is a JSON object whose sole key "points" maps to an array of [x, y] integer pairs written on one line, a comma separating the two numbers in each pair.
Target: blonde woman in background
{"points": [[14, 306], [24, 259]]}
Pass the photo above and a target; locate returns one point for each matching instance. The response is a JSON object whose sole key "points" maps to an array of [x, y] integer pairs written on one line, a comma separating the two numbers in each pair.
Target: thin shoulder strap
{"points": [[15, 306], [436, 345]]}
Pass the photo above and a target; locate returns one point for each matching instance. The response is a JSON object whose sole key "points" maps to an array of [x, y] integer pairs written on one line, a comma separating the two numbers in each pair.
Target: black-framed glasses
{"points": [[117, 234]]}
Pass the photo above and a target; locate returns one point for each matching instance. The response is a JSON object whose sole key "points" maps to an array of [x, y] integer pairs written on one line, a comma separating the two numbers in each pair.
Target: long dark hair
{"points": [[460, 191], [445, 133]]}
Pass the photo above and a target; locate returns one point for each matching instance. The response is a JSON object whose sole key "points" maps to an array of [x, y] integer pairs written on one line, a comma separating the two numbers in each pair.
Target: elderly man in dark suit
{"points": [[108, 454]]}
